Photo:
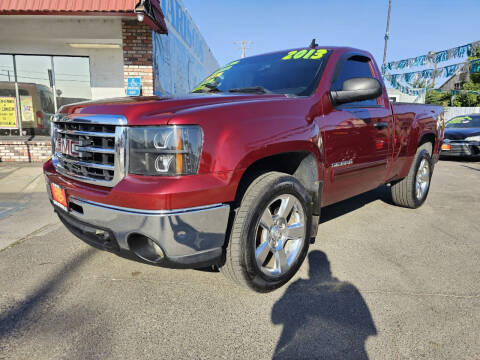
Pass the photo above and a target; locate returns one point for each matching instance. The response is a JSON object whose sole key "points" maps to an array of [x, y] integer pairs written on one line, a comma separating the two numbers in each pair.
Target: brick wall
{"points": [[137, 54], [25, 151]]}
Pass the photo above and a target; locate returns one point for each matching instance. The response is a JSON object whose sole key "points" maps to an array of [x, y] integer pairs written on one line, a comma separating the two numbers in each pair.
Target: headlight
{"points": [[165, 150], [473, 138]]}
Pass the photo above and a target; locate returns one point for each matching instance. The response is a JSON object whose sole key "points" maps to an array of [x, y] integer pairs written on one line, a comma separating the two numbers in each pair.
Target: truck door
{"points": [[357, 137]]}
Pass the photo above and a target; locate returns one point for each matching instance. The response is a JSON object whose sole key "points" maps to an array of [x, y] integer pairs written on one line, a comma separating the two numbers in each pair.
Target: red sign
{"points": [[58, 196]]}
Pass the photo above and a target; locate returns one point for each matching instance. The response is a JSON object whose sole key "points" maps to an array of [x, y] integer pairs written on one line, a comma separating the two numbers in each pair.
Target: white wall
{"points": [[51, 35], [402, 97]]}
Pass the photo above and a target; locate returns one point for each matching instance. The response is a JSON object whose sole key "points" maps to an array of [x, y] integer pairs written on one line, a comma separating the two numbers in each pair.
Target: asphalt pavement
{"points": [[381, 282]]}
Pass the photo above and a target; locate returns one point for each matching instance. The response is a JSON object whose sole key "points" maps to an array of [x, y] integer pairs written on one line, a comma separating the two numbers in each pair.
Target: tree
{"points": [[422, 84], [436, 97], [472, 96]]}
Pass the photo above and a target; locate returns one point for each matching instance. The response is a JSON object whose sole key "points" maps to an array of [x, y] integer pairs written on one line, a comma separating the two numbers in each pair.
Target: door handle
{"points": [[381, 125]]}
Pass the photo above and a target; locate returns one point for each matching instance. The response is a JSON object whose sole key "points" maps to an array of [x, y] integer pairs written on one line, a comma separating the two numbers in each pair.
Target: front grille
{"points": [[90, 149]]}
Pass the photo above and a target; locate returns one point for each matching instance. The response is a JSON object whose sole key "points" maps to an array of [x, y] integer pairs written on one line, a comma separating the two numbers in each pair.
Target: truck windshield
{"points": [[295, 72], [464, 122]]}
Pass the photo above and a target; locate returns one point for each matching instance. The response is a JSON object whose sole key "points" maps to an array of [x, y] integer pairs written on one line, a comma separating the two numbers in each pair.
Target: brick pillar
{"points": [[137, 53]]}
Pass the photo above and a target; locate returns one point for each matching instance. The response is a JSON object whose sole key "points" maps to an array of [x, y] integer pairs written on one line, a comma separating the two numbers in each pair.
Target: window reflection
{"points": [[35, 81], [72, 79], [45, 83], [6, 68]]}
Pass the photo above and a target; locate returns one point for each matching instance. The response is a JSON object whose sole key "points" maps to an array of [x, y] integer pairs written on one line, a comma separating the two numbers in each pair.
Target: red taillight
{"points": [[39, 118]]}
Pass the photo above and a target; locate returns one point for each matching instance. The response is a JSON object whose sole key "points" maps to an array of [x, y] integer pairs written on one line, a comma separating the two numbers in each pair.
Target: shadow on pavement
{"points": [[471, 168], [459, 159], [25, 312], [322, 317], [344, 207]]}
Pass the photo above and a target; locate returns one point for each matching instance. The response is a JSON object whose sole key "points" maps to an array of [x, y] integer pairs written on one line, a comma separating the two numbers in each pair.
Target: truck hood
{"points": [[460, 133], [155, 110]]}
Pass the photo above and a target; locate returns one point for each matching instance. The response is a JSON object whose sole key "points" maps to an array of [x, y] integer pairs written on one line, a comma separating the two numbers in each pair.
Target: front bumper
{"points": [[186, 237], [462, 149]]}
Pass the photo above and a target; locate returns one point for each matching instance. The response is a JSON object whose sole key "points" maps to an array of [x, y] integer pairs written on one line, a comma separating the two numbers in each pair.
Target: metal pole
{"points": [[54, 89], [434, 75], [243, 46], [387, 35], [431, 58], [17, 95]]}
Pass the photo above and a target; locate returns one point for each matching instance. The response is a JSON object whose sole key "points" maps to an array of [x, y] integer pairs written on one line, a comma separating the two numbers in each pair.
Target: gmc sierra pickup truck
{"points": [[235, 174]]}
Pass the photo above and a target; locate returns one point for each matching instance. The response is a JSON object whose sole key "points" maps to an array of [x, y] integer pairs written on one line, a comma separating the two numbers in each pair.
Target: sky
{"points": [[416, 27]]}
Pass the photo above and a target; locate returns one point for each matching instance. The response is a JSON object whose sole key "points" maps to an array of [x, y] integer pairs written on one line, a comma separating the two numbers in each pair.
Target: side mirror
{"points": [[357, 89]]}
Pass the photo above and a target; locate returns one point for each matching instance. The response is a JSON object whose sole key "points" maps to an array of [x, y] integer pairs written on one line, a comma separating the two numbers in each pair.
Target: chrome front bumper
{"points": [[187, 237]]}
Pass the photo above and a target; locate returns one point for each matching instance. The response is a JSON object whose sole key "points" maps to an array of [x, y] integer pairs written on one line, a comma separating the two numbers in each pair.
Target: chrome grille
{"points": [[90, 148]]}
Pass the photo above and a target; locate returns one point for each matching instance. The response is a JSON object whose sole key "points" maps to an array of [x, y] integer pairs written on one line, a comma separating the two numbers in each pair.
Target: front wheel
{"points": [[270, 233]]}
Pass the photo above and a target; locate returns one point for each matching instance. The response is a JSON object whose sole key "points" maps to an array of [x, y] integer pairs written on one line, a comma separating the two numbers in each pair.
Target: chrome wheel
{"points": [[280, 235], [422, 180]]}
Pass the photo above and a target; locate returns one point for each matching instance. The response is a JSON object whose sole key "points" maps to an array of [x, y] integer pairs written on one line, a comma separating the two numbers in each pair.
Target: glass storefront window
{"points": [[45, 83], [35, 80], [72, 79], [6, 68]]}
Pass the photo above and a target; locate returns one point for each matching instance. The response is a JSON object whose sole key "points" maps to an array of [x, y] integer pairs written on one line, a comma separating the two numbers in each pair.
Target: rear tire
{"points": [[412, 191], [270, 233]]}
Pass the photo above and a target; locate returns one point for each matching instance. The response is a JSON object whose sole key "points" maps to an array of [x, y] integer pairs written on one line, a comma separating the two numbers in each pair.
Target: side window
{"points": [[354, 67], [46, 98], [7, 92]]}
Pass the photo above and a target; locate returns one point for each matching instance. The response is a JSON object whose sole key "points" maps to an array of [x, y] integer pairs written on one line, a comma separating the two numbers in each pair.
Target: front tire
{"points": [[270, 233], [412, 191]]}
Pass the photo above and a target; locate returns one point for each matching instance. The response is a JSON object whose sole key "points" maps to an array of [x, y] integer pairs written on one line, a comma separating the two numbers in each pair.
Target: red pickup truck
{"points": [[235, 174]]}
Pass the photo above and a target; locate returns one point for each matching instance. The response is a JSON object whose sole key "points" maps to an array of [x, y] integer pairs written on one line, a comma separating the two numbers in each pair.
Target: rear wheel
{"points": [[412, 191], [270, 233]]}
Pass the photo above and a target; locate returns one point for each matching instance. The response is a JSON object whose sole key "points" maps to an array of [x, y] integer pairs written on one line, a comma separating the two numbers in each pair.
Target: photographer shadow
{"points": [[322, 317]]}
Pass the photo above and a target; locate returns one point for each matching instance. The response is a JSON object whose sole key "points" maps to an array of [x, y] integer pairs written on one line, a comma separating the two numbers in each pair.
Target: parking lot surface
{"points": [[380, 282]]}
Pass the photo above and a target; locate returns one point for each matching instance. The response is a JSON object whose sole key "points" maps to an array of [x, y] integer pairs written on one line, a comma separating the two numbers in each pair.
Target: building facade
{"points": [[396, 95], [52, 55], [182, 59], [456, 81]]}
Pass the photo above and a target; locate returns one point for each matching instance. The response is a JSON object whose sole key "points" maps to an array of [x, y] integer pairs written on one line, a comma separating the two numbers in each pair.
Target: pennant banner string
{"points": [[437, 57], [446, 71], [449, 70]]}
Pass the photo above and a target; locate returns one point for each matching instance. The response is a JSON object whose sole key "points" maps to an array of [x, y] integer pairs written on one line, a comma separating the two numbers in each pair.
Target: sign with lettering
{"points": [[134, 86], [8, 113], [27, 109], [308, 54]]}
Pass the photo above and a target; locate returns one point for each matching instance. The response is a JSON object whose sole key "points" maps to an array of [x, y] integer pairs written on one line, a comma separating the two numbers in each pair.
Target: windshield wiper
{"points": [[252, 89], [210, 88]]}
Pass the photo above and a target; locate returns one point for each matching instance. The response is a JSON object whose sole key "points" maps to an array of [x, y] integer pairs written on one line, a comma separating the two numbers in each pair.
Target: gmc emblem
{"points": [[66, 146]]}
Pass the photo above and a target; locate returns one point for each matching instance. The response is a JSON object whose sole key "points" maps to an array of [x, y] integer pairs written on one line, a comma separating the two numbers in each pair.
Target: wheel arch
{"points": [[302, 164], [428, 137], [421, 133]]}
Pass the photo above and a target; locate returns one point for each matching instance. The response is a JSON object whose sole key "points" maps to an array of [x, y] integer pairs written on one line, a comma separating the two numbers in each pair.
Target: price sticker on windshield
{"points": [[215, 75], [308, 54]]}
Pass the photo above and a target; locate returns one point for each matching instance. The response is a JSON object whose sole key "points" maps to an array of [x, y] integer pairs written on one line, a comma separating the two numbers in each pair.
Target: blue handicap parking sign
{"points": [[134, 85]]}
